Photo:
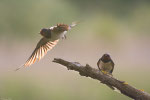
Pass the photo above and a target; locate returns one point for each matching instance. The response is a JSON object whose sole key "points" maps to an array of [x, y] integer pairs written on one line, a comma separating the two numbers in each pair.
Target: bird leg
{"points": [[64, 37], [104, 72]]}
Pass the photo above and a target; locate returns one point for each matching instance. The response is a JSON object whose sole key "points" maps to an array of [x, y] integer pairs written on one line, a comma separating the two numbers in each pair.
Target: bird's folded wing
{"points": [[113, 64], [40, 51]]}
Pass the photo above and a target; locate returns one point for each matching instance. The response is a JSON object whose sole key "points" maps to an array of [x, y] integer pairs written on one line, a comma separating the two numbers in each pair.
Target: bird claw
{"points": [[104, 72], [141, 90], [125, 83], [64, 37]]}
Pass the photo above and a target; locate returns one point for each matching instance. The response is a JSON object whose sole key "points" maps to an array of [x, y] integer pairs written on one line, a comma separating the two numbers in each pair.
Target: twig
{"points": [[88, 71]]}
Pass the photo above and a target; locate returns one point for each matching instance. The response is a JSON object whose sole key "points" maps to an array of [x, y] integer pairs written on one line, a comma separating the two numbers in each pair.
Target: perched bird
{"points": [[50, 38], [105, 64]]}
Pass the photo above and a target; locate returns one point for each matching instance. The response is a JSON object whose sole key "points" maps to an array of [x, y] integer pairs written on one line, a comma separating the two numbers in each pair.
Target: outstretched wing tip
{"points": [[40, 51], [19, 68]]}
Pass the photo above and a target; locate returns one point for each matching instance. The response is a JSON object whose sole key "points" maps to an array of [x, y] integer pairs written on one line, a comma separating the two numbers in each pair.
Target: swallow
{"points": [[105, 64], [50, 37]]}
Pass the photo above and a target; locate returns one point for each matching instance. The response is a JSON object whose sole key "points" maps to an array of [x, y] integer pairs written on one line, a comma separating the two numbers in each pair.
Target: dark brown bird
{"points": [[50, 38], [105, 64]]}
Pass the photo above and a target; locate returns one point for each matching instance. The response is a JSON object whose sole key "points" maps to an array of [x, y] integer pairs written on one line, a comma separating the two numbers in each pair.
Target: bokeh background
{"points": [[118, 27]]}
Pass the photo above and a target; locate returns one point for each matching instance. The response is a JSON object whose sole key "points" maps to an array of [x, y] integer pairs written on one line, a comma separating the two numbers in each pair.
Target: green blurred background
{"points": [[118, 27]]}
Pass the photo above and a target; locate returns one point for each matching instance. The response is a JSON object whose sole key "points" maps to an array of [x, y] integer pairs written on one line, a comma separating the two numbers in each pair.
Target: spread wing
{"points": [[40, 51]]}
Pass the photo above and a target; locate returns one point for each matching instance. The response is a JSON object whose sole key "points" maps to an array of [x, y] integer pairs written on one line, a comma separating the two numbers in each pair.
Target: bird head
{"points": [[106, 58], [43, 31]]}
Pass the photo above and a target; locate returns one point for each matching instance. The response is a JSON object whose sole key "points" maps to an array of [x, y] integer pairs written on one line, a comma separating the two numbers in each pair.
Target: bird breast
{"points": [[105, 66]]}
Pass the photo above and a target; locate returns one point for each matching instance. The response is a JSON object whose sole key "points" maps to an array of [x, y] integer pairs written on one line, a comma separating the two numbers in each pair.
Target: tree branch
{"points": [[88, 71]]}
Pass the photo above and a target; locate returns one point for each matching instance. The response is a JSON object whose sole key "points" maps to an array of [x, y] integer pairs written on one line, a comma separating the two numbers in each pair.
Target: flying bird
{"points": [[105, 64], [50, 37]]}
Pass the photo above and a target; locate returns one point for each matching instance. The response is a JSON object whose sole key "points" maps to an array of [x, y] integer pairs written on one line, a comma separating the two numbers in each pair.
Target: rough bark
{"points": [[88, 71]]}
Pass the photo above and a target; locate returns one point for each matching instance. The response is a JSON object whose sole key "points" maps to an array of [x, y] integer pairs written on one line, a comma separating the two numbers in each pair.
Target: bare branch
{"points": [[88, 71]]}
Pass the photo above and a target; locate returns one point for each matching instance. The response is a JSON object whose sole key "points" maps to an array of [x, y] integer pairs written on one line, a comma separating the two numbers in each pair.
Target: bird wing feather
{"points": [[98, 64], [43, 46]]}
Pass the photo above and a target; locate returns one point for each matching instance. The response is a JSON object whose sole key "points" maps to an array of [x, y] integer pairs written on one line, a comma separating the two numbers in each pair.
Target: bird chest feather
{"points": [[106, 66]]}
